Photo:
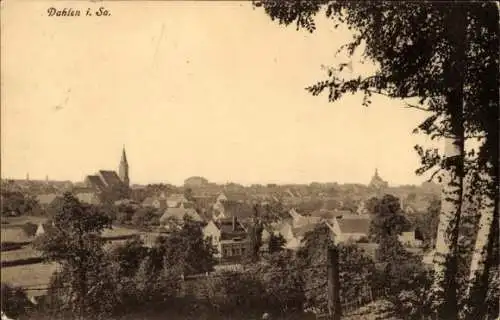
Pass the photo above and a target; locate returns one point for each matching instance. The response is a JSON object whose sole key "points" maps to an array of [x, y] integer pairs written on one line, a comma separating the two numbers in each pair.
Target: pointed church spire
{"points": [[124, 155], [123, 169]]}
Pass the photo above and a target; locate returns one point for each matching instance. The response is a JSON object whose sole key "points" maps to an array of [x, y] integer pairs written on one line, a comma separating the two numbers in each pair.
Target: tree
{"points": [[75, 244], [422, 53], [30, 229], [388, 221], [276, 243], [185, 249], [14, 301], [427, 223], [283, 283], [17, 203], [144, 217], [129, 256], [356, 269]]}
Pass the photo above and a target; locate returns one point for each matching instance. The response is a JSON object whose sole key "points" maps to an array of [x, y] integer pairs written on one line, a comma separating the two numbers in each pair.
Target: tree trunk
{"points": [[444, 288], [477, 286], [445, 264]]}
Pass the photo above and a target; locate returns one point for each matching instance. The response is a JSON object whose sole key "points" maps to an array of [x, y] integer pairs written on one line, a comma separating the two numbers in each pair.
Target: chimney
{"points": [[234, 223]]}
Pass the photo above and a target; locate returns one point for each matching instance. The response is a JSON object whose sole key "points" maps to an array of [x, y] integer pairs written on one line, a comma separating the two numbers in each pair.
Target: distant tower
{"points": [[123, 170]]}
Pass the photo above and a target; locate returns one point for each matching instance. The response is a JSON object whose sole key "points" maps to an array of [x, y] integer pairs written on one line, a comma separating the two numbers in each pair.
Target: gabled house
{"points": [[87, 196], [229, 237], [232, 197], [178, 214], [328, 214], [155, 202], [409, 239], [174, 200], [350, 227], [230, 209], [293, 234], [299, 220]]}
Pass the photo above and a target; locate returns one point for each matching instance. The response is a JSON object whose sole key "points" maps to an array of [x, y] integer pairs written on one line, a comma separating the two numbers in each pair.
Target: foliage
{"points": [[276, 243], [14, 301], [145, 217], [185, 248], [282, 281], [237, 292], [356, 269], [388, 219], [445, 56], [13, 202], [129, 256], [29, 229], [74, 242], [427, 223]]}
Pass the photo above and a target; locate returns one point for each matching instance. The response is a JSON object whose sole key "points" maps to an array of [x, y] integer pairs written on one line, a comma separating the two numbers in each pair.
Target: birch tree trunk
{"points": [[444, 288], [477, 285], [445, 260]]}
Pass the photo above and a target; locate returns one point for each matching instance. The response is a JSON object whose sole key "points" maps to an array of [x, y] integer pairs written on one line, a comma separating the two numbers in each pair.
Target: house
{"points": [[299, 220], [293, 235], [229, 209], [179, 213], [232, 197], [350, 227], [87, 196], [408, 238], [155, 202], [329, 214], [174, 200], [229, 237]]}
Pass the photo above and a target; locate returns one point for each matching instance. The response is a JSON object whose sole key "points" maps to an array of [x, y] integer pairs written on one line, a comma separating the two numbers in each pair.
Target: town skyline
{"points": [[183, 107]]}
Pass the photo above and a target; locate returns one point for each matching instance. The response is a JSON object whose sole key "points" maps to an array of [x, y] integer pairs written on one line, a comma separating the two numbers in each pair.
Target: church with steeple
{"points": [[109, 183]]}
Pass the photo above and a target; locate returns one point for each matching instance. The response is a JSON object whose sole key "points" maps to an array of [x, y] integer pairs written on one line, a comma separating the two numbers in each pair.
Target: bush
{"points": [[29, 229], [14, 301]]}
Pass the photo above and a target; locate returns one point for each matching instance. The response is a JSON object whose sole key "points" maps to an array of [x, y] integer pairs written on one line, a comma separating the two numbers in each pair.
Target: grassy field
{"points": [[23, 253], [33, 275], [18, 221]]}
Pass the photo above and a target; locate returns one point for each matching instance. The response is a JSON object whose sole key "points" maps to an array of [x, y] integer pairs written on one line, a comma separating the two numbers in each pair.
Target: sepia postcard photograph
{"points": [[259, 159]]}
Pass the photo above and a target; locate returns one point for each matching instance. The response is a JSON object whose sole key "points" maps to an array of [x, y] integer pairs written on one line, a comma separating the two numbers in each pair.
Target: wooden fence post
{"points": [[334, 307]]}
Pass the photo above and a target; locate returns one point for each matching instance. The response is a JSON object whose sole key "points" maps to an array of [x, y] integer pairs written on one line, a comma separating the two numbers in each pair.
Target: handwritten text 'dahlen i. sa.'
{"points": [[70, 12]]}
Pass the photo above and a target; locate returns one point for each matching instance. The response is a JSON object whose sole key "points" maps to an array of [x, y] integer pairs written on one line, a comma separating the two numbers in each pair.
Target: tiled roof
{"points": [[354, 225], [302, 230], [328, 214], [238, 210], [176, 197], [179, 214], [227, 230], [94, 181], [110, 178], [233, 196], [148, 201]]}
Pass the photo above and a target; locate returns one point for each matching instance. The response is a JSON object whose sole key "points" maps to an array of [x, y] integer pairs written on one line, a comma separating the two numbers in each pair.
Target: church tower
{"points": [[123, 170]]}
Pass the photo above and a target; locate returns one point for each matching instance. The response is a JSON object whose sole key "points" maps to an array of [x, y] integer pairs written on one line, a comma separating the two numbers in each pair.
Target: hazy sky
{"points": [[192, 88]]}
